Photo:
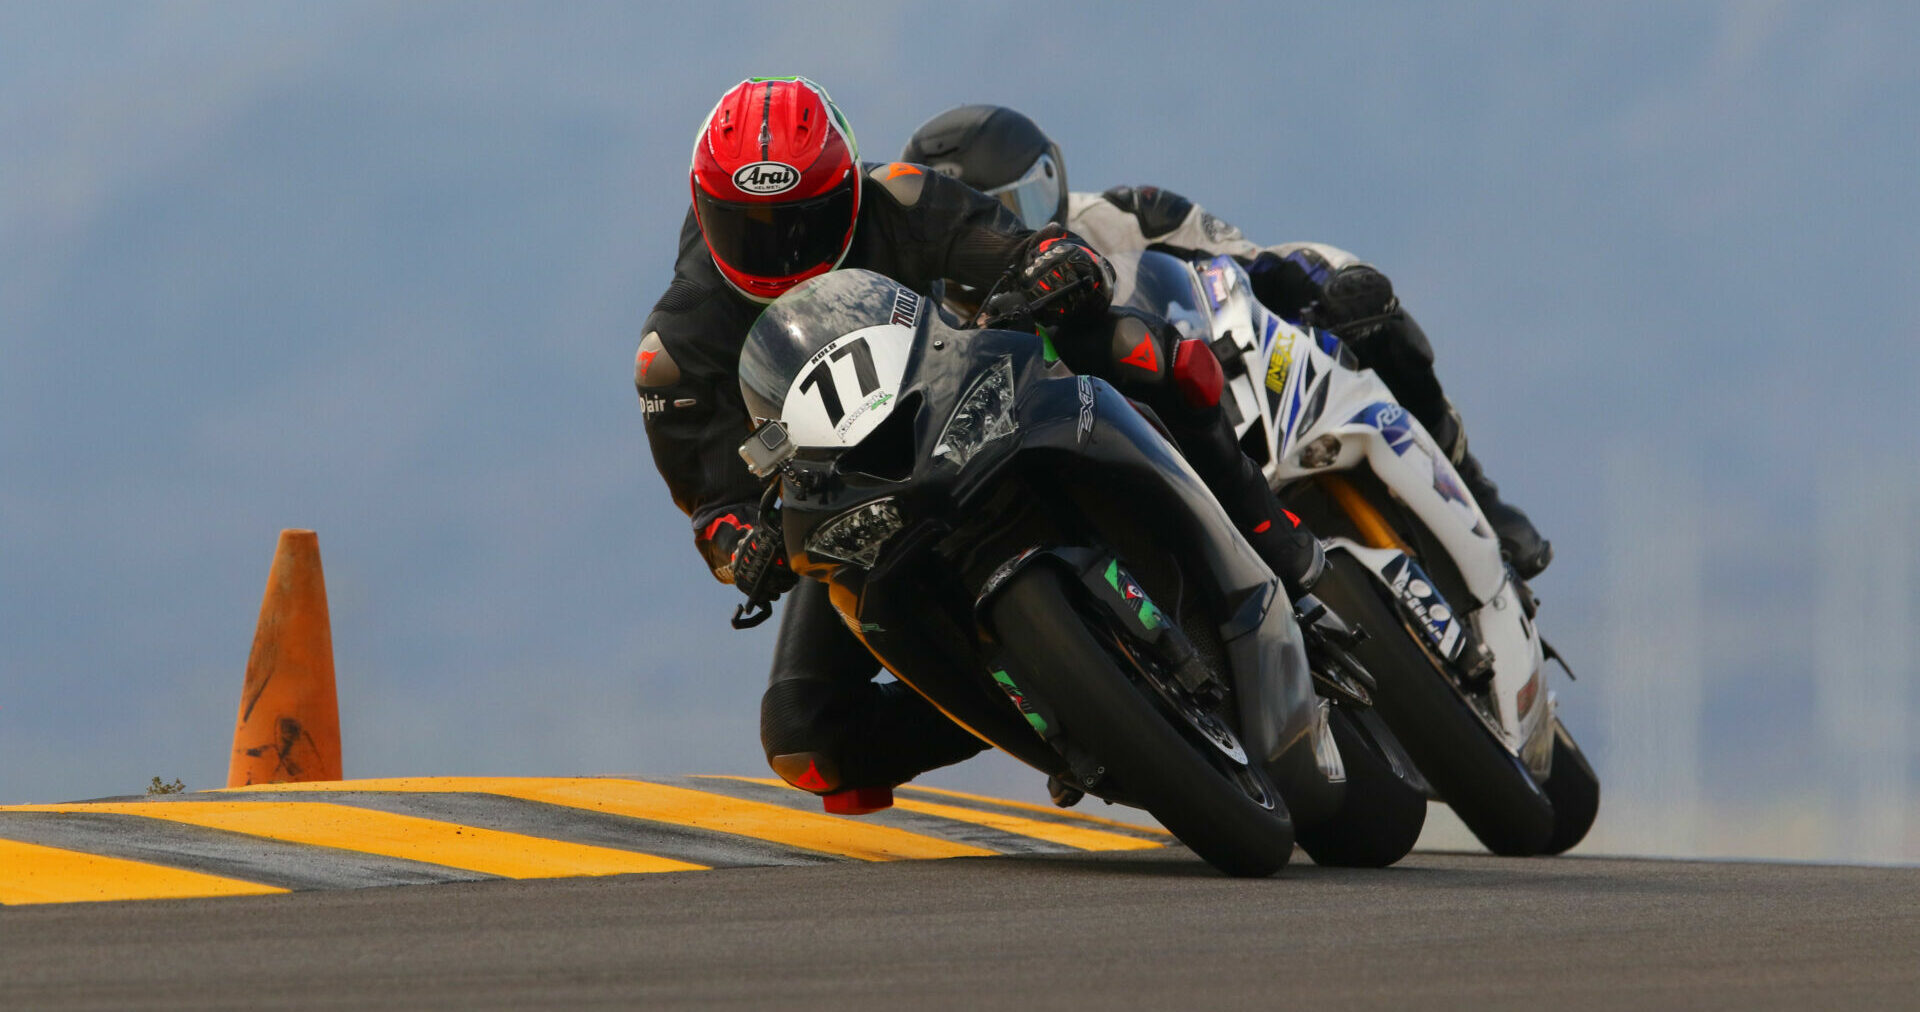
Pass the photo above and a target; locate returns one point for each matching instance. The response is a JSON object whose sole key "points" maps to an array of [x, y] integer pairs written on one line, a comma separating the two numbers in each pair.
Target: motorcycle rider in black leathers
{"points": [[1003, 153], [780, 196]]}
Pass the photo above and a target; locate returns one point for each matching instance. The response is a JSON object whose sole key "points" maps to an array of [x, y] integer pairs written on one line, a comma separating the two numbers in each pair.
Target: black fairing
{"points": [[1082, 467]]}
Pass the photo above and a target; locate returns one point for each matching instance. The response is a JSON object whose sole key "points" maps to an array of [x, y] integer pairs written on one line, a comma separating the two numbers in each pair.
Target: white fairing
{"points": [[1298, 390], [836, 377]]}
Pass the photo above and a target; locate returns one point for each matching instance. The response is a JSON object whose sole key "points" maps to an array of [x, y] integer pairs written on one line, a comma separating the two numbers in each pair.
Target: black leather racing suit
{"points": [[825, 724]]}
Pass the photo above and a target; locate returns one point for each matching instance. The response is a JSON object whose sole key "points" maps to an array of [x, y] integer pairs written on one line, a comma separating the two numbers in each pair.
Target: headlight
{"points": [[857, 535], [984, 415]]}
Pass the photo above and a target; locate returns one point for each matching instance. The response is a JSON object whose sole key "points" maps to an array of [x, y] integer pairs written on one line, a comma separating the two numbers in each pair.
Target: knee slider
{"points": [[1196, 372], [809, 771]]}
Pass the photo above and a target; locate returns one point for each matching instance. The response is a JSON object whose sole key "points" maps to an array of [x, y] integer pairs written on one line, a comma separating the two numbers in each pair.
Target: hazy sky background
{"points": [[379, 270]]}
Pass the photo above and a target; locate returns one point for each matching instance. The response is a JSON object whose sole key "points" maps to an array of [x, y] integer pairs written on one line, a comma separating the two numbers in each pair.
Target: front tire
{"points": [[1103, 712], [1486, 785], [1574, 790], [1381, 814]]}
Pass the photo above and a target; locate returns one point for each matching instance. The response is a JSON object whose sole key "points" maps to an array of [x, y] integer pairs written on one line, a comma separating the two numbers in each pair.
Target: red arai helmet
{"points": [[776, 184]]}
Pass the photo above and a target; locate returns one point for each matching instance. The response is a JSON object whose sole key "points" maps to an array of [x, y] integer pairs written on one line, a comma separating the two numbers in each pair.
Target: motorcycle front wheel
{"points": [[1574, 790], [1107, 715], [1485, 785]]}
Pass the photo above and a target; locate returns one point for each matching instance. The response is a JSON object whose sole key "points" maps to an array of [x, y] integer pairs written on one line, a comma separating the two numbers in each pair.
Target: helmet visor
{"points": [[777, 240], [1035, 197]]}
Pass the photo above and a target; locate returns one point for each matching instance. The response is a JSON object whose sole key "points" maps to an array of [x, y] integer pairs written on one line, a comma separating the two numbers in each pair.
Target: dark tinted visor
{"points": [[777, 240]]}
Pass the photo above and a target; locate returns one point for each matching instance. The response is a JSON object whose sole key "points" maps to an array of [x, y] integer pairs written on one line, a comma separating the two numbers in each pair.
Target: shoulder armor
{"points": [[903, 181], [652, 366], [1159, 211]]}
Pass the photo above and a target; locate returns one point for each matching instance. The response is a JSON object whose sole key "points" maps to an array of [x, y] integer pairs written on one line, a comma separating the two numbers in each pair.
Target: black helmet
{"points": [[998, 152]]}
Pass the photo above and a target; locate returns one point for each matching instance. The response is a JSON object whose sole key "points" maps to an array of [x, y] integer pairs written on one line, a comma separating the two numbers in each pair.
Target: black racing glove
{"points": [[1053, 260], [752, 551], [1356, 302], [1282, 284]]}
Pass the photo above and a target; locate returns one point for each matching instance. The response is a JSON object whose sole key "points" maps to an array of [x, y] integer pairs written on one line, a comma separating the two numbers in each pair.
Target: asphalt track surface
{"points": [[1143, 929]]}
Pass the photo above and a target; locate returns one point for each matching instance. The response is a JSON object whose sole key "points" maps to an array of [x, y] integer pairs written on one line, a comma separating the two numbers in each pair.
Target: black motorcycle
{"points": [[1027, 549]]}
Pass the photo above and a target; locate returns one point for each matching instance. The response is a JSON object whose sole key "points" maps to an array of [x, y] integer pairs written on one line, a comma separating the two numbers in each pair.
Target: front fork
{"points": [[1282, 727]]}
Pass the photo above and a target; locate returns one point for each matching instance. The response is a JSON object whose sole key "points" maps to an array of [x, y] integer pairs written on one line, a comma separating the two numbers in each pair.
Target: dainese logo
{"points": [[766, 177]]}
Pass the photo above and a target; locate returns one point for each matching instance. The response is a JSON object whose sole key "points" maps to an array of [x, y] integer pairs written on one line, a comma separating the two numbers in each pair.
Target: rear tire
{"points": [[1486, 785], [1102, 711], [1381, 816], [1574, 790]]}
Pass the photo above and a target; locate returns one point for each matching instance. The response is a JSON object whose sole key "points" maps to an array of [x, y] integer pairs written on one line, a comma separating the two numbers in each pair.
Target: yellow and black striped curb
{"points": [[353, 833]]}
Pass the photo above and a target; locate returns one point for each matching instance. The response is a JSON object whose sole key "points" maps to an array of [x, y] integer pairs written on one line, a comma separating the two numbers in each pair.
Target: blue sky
{"points": [[378, 269]]}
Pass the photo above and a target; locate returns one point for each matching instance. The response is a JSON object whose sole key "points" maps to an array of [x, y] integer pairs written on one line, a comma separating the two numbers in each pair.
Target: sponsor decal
{"points": [[860, 412], [1529, 694], [1217, 285], [902, 169], [645, 360], [1020, 701], [1086, 409], [765, 178], [652, 404], [1122, 582], [1421, 601], [1391, 420], [1279, 364], [906, 308]]}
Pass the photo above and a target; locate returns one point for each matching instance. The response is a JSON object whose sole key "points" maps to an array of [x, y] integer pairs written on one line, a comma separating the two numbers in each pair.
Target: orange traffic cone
{"points": [[289, 724]]}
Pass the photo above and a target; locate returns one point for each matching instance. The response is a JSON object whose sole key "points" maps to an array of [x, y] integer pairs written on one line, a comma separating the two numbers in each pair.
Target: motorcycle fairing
{"points": [[1316, 390]]}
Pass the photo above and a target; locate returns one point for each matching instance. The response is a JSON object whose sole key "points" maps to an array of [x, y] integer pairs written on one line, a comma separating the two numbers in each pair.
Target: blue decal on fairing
{"points": [[1393, 422], [1447, 484], [1273, 327], [1329, 343]]}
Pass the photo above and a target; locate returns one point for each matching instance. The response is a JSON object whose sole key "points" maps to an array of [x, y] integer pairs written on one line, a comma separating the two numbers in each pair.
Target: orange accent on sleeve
{"points": [[902, 169]]}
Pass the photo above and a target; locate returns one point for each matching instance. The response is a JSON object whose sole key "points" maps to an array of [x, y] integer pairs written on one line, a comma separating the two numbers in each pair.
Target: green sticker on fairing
{"points": [[1020, 701], [1150, 614]]}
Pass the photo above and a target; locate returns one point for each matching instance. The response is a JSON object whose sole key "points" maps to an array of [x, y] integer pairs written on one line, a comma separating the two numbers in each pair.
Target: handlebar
{"points": [[759, 606], [1000, 308]]}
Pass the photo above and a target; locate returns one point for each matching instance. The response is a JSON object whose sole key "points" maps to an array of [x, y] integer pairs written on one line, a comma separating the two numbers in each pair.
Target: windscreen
{"points": [[805, 320], [1164, 285]]}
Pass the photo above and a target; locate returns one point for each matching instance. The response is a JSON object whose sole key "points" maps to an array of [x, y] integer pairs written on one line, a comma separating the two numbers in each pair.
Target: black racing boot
{"points": [[1288, 548], [1520, 542]]}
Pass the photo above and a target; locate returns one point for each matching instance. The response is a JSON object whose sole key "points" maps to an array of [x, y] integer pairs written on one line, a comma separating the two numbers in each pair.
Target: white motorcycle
{"points": [[1412, 560]]}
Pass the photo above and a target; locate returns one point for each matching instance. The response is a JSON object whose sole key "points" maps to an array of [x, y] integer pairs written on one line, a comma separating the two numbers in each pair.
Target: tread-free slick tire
{"points": [[1100, 709], [1380, 816], [1574, 790], [1484, 784]]}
